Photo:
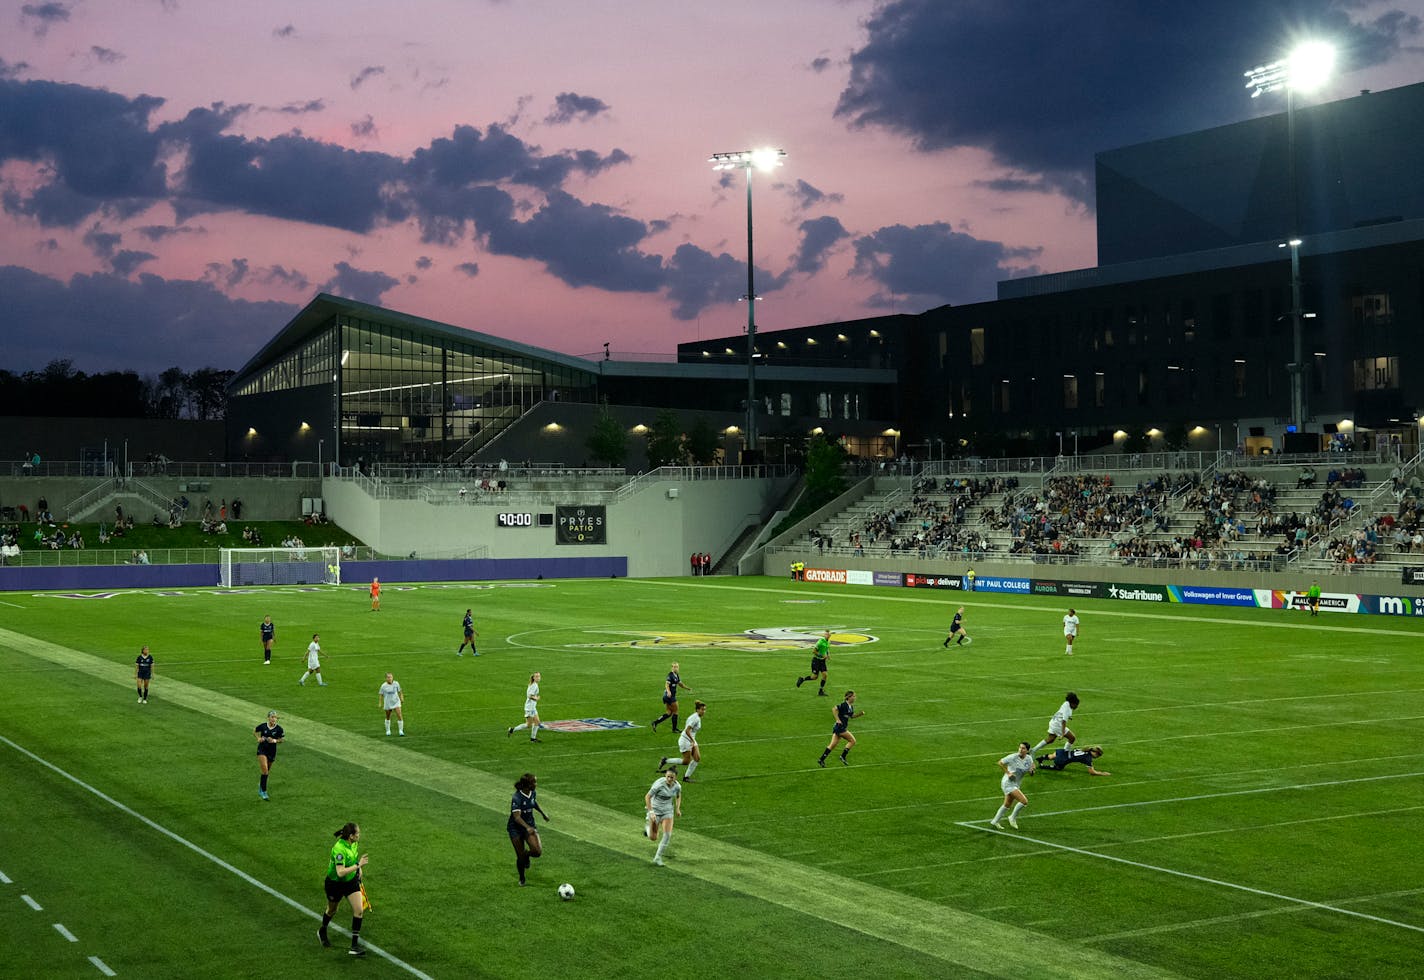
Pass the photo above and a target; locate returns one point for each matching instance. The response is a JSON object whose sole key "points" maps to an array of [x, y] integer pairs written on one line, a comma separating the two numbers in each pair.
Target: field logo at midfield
{"points": [[586, 725], [765, 639]]}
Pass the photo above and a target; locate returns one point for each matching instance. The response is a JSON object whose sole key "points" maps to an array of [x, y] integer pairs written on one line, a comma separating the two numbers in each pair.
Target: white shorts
{"points": [[1070, 633], [531, 709], [313, 662], [685, 744], [392, 704], [1008, 784], [1056, 726], [663, 814]]}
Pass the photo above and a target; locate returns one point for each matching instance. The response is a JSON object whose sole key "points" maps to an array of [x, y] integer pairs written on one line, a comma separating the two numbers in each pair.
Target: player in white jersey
{"points": [[1016, 766], [392, 698], [313, 662], [687, 742], [1058, 724], [663, 801], [531, 709], [1070, 630]]}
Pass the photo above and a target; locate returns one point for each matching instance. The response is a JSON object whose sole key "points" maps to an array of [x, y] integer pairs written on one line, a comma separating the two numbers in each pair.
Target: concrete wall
{"points": [[263, 498], [656, 531]]}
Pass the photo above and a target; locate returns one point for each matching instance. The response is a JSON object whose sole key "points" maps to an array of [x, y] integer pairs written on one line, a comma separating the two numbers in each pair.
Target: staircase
{"points": [[119, 491]]}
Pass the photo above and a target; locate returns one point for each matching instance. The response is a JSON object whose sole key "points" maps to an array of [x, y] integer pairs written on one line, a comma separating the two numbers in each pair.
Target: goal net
{"points": [[279, 566]]}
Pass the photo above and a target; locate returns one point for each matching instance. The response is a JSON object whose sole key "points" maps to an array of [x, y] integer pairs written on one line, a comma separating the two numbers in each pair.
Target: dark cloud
{"points": [[298, 108], [819, 65], [48, 245], [569, 106], [818, 237], [290, 177], [359, 284], [697, 279], [281, 275], [1044, 92], [804, 195], [42, 16], [286, 30], [103, 320], [157, 233], [582, 244], [366, 74], [364, 129], [424, 262], [227, 274], [105, 56], [98, 145], [102, 243], [933, 264], [470, 269], [127, 260]]}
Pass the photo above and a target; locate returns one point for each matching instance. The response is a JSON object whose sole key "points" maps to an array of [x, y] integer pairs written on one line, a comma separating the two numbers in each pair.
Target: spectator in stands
{"points": [[143, 557]]}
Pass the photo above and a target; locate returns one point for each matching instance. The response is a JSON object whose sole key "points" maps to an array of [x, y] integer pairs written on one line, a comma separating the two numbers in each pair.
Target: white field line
{"points": [[1085, 788], [1245, 828], [1241, 916], [958, 939], [4, 880], [59, 928], [102, 966], [11, 605], [176, 838], [32, 903], [1051, 610], [1305, 902]]}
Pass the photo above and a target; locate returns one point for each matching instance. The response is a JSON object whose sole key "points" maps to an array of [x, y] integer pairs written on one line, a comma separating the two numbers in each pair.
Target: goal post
{"points": [[279, 566]]}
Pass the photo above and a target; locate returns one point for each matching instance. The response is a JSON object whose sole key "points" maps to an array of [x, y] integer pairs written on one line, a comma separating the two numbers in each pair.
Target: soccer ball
{"points": [[566, 891]]}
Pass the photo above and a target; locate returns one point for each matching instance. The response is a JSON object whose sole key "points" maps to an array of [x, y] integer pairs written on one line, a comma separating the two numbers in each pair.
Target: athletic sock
{"points": [[845, 753], [318, 678], [520, 728], [355, 932], [1038, 746], [262, 782], [662, 844], [674, 722], [388, 728], [1017, 808], [401, 726], [825, 755], [1000, 815], [662, 718], [325, 921], [691, 768], [823, 685]]}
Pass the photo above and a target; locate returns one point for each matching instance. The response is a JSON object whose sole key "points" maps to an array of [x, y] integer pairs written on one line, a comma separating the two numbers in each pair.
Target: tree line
{"points": [[60, 390]]}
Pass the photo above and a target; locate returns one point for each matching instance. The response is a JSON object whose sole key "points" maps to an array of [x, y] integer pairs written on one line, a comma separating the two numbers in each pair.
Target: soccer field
{"points": [[1259, 820]]}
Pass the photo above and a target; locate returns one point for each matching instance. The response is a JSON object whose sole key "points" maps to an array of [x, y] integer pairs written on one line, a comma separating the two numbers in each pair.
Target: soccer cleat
{"points": [[821, 762], [356, 951], [402, 734], [800, 681], [458, 653], [658, 861], [140, 700], [323, 684], [536, 740], [321, 934], [845, 761], [302, 682], [509, 732], [996, 825], [968, 639], [266, 663], [821, 694], [1013, 823], [662, 763], [388, 733], [655, 727], [262, 793], [688, 779]]}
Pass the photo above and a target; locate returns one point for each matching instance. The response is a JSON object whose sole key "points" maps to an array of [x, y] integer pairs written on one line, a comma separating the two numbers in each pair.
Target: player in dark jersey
{"points": [[820, 660], [957, 627], [843, 714], [522, 832], [269, 736], [143, 673], [1062, 758], [269, 633], [670, 686], [470, 634]]}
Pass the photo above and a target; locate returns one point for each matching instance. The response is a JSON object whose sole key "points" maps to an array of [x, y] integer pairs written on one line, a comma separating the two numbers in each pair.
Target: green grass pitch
{"points": [[1261, 820]]}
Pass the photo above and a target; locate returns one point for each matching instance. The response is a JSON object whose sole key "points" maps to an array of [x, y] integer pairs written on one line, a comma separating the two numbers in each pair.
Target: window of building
{"points": [[1002, 401], [1374, 373], [786, 403], [1189, 320], [1070, 391], [1100, 387], [823, 404], [1239, 379], [976, 345], [1372, 309], [1143, 389]]}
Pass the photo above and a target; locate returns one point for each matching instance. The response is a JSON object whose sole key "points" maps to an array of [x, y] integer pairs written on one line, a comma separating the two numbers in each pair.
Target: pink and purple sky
{"points": [[178, 177]]}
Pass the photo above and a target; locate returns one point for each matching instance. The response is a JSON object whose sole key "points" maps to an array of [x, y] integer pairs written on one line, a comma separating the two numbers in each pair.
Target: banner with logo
{"points": [[1334, 602], [1390, 605], [580, 525], [992, 583], [1138, 593], [836, 576], [916, 581], [1079, 590], [856, 576], [1211, 596], [888, 578]]}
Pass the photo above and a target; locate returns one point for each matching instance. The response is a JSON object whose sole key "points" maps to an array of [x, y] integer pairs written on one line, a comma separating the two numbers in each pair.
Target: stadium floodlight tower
{"points": [[1305, 69], [749, 160]]}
